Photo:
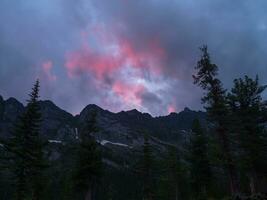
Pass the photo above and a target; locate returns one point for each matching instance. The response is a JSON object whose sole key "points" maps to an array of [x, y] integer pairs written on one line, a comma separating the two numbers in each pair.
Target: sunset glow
{"points": [[123, 54]]}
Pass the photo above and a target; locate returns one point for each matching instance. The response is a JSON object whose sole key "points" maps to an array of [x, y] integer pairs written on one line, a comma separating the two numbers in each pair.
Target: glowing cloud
{"points": [[130, 94], [171, 108], [46, 68], [86, 61], [102, 53], [116, 64]]}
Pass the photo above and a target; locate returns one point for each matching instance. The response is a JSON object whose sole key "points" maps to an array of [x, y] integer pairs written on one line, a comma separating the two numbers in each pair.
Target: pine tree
{"points": [[200, 167], [216, 105], [175, 174], [248, 111], [26, 149], [89, 163], [146, 170]]}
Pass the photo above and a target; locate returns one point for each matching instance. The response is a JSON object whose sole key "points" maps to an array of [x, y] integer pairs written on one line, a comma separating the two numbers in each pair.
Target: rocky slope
{"points": [[119, 132]]}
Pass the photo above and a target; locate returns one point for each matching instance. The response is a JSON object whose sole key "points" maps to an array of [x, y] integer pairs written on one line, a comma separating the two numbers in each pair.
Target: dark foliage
{"points": [[26, 151]]}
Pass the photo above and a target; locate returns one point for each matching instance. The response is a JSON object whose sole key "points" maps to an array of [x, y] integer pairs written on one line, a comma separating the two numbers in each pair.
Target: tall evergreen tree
{"points": [[248, 110], [26, 149], [146, 170], [174, 175], [216, 104], [89, 163], [200, 167]]}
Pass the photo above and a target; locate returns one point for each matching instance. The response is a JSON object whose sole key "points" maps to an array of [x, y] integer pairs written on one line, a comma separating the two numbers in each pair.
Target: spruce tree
{"points": [[89, 163], [146, 170], [200, 169], [248, 110], [216, 105], [26, 150], [175, 178]]}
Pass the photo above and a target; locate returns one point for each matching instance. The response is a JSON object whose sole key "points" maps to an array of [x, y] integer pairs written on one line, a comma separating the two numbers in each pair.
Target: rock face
{"points": [[57, 124], [128, 127], [120, 132], [9, 112], [124, 127]]}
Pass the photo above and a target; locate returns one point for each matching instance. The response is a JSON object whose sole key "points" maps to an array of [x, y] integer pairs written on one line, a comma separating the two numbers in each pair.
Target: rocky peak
{"points": [[123, 127], [48, 104], [133, 112], [90, 108], [13, 102], [1, 107], [50, 110], [186, 109], [12, 109]]}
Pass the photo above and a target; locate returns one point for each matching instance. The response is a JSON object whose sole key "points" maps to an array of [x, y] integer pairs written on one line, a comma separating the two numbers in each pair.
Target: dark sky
{"points": [[125, 54]]}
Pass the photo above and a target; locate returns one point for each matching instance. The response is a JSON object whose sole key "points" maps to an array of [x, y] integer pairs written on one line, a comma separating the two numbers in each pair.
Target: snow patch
{"points": [[104, 142], [76, 134], [55, 141]]}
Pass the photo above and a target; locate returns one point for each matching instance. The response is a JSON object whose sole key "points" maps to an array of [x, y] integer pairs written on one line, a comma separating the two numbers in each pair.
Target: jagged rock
{"points": [[126, 128]]}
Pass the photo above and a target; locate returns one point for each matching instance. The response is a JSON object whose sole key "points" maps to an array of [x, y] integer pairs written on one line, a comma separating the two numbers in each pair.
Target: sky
{"points": [[127, 54]]}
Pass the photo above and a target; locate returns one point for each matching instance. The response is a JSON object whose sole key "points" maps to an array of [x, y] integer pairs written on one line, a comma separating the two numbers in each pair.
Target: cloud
{"points": [[104, 52], [129, 94], [47, 67], [124, 54], [171, 108], [114, 63]]}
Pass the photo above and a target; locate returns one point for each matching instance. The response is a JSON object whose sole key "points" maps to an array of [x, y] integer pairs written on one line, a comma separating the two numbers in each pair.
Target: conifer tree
{"points": [[175, 174], [26, 149], [200, 167], [248, 110], [89, 163], [146, 170], [216, 105]]}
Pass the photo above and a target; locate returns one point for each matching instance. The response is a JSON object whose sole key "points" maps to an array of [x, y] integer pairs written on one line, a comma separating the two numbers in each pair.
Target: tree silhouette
{"points": [[248, 111], [216, 104], [88, 163], [26, 149]]}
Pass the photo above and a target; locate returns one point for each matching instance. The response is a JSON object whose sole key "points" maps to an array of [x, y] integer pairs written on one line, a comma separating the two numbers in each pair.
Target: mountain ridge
{"points": [[120, 135], [124, 127], [95, 106]]}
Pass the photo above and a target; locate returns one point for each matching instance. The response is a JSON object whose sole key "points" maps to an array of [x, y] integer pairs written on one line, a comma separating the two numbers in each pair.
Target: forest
{"points": [[224, 158]]}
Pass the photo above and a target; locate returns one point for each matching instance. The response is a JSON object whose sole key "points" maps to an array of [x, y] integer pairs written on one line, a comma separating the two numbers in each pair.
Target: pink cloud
{"points": [[131, 94], [149, 58], [86, 60], [171, 108], [103, 53], [47, 67]]}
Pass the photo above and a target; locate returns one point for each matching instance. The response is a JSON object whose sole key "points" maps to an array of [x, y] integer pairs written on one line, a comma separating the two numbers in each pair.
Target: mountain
{"points": [[9, 112], [57, 124], [120, 133]]}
